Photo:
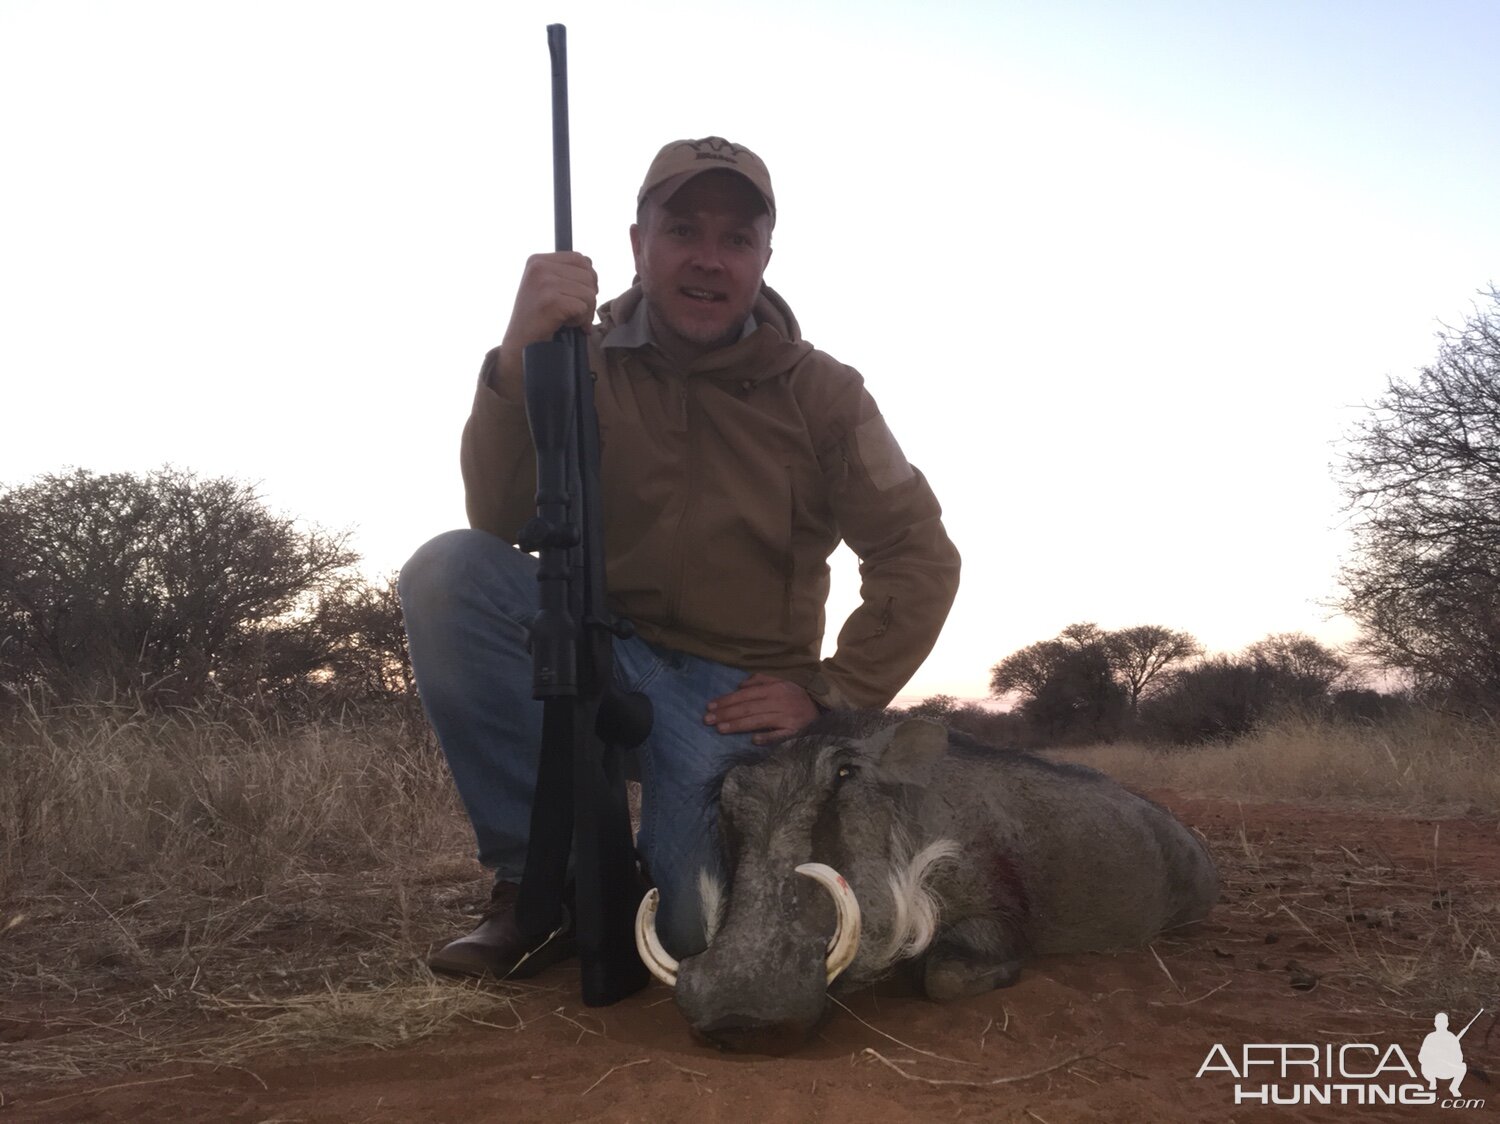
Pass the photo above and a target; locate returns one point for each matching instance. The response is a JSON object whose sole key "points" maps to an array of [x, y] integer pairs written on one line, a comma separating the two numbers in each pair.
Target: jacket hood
{"points": [[773, 348]]}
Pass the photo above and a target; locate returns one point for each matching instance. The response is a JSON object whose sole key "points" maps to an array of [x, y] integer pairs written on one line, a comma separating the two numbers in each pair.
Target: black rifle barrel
{"points": [[562, 176]]}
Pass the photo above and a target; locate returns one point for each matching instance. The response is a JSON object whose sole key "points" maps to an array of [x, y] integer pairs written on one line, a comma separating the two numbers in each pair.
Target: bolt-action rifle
{"points": [[587, 723]]}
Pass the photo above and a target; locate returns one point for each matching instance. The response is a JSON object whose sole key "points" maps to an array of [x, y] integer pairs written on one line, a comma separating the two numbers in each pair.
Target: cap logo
{"points": [[717, 149]]}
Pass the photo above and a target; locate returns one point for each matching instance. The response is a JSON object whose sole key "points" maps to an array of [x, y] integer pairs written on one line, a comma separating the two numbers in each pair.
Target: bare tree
{"points": [[1303, 668], [1226, 696], [1422, 479], [365, 639], [161, 583], [934, 706]]}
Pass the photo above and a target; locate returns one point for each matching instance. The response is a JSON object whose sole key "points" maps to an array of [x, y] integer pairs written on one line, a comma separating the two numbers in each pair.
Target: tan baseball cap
{"points": [[681, 160]]}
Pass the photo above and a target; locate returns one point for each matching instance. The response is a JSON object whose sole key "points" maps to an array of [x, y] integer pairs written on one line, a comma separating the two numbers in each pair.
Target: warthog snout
{"points": [[728, 994]]}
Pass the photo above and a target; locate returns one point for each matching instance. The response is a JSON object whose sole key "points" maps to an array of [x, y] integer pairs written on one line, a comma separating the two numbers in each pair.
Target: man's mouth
{"points": [[707, 296]]}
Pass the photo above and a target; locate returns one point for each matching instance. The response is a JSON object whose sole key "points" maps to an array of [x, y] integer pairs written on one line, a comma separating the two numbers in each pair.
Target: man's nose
{"points": [[706, 257]]}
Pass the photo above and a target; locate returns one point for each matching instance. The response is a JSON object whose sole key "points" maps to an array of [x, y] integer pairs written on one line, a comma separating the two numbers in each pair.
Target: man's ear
{"points": [[635, 244]]}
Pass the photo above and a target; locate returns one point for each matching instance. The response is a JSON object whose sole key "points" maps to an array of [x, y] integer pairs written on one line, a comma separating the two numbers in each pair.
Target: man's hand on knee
{"points": [[772, 707]]}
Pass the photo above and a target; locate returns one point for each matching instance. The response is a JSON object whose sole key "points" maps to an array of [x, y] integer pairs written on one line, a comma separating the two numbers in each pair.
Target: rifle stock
{"points": [[580, 803]]}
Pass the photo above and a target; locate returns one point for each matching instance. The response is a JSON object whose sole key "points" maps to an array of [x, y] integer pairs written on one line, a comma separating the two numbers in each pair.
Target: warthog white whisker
{"points": [[711, 894], [917, 907]]}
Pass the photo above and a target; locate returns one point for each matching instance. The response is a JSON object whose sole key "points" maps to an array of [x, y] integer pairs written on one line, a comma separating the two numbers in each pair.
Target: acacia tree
{"points": [[1143, 655], [1025, 672], [1028, 671], [1066, 684], [1421, 476]]}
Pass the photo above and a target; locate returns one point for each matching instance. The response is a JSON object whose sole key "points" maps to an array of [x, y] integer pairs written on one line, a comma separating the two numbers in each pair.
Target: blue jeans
{"points": [[466, 596]]}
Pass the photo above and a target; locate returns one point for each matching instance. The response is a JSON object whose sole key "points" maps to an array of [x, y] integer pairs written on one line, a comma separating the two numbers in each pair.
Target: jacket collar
{"points": [[770, 342], [635, 331]]}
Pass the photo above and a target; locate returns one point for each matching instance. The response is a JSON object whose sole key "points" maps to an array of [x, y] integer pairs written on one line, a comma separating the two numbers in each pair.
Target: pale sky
{"points": [[1119, 274]]}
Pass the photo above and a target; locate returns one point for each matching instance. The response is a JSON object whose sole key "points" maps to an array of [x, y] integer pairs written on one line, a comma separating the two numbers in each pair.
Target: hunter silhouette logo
{"points": [[1441, 1057], [1351, 1073]]}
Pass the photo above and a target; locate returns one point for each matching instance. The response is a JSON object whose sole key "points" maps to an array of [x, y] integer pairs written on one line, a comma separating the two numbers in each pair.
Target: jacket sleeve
{"points": [[496, 455], [908, 567]]}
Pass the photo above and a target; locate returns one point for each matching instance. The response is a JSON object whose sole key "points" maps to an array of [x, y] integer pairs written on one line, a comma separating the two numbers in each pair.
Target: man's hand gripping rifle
{"points": [[587, 724]]}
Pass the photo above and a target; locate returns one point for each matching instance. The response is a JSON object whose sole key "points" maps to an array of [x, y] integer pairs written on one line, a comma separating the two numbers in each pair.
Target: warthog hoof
{"points": [[956, 977]]}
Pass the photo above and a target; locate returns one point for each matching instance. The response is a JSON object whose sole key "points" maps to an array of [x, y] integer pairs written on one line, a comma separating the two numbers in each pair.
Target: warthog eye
{"points": [[845, 771]]}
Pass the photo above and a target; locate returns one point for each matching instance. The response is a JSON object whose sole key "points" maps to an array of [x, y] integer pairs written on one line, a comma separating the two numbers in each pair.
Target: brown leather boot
{"points": [[496, 947]]}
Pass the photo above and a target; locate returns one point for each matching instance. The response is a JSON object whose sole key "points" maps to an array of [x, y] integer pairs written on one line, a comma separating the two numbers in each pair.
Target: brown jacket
{"points": [[726, 487]]}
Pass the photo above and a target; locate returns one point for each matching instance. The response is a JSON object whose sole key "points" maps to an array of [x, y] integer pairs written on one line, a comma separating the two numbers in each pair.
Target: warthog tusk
{"points": [[842, 946], [845, 941], [656, 958]]}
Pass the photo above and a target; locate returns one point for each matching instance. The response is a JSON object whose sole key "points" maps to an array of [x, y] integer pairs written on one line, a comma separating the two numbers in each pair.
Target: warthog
{"points": [[936, 852]]}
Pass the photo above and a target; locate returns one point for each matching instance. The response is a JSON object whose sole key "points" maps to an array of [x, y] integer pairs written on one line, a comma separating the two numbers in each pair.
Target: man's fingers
{"points": [[557, 290], [755, 687], [744, 717], [740, 705], [568, 299], [769, 707]]}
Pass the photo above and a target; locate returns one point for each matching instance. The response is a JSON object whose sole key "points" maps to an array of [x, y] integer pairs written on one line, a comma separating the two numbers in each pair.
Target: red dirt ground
{"points": [[1315, 902]]}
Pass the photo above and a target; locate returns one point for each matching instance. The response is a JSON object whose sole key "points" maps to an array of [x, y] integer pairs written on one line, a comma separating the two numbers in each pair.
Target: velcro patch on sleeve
{"points": [[880, 454]]}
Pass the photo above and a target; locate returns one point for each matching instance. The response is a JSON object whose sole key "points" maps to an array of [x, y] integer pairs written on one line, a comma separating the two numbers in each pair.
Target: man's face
{"points": [[700, 256]]}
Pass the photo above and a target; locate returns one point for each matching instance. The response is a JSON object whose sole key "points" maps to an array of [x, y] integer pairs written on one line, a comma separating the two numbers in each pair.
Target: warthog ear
{"points": [[907, 751]]}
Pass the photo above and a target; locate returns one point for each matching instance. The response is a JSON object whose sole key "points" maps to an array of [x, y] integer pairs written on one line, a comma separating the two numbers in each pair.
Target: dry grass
{"points": [[1423, 763], [203, 800], [1412, 934], [184, 876]]}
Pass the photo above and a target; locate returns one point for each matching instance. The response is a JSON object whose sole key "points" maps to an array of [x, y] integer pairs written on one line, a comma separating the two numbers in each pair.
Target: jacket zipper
{"points": [[789, 561], [689, 503]]}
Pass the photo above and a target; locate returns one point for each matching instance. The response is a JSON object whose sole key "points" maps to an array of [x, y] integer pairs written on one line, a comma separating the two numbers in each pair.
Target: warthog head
{"points": [[799, 825]]}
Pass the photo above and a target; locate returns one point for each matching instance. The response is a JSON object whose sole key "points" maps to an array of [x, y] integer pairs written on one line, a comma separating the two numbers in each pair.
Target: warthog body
{"points": [[963, 860]]}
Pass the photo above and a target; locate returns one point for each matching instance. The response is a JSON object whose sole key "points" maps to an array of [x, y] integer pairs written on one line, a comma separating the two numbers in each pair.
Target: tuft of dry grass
{"points": [[208, 800], [1423, 763], [182, 875]]}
